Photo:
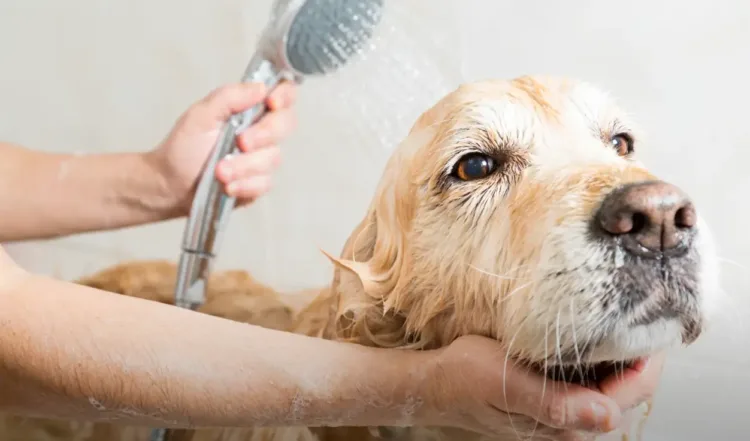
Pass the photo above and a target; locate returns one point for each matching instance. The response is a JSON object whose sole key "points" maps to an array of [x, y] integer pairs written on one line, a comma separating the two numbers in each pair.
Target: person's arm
{"points": [[74, 352], [45, 195]]}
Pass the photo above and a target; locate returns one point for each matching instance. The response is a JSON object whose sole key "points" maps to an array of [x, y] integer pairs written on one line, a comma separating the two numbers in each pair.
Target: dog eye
{"points": [[474, 166], [622, 143]]}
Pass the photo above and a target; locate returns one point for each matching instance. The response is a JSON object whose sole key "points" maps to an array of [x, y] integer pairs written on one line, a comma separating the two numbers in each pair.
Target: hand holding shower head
{"points": [[304, 37]]}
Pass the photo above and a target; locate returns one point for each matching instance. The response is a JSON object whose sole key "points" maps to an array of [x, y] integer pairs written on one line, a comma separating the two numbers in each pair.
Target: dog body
{"points": [[515, 210]]}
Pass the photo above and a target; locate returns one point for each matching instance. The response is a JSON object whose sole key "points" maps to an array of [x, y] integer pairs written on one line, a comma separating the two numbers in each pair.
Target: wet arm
{"points": [[44, 195], [74, 352]]}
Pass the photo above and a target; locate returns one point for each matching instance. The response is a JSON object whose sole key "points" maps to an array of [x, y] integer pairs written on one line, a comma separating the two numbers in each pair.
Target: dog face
{"points": [[518, 210]]}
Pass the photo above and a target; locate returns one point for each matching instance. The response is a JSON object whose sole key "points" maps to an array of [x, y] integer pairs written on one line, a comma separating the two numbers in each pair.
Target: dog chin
{"points": [[633, 342], [627, 341], [624, 348]]}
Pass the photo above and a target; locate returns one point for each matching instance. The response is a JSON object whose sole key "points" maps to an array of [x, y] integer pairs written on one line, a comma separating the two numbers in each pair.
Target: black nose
{"points": [[650, 218]]}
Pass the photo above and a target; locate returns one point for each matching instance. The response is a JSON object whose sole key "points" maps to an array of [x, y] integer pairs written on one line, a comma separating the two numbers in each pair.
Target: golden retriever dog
{"points": [[517, 210]]}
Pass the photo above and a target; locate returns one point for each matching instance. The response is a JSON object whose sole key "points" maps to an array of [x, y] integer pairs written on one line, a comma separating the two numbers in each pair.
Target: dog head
{"points": [[518, 210]]}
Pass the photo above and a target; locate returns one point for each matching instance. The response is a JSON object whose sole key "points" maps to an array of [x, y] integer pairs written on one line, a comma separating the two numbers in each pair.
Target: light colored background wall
{"points": [[89, 76]]}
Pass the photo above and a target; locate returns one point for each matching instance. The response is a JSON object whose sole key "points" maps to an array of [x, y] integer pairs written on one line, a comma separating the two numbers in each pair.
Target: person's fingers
{"points": [[271, 129], [282, 96], [561, 405], [577, 436], [227, 100], [250, 188], [247, 165], [503, 425], [636, 384]]}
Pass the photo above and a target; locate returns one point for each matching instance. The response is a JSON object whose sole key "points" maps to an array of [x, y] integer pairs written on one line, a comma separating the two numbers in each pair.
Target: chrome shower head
{"points": [[315, 37]]}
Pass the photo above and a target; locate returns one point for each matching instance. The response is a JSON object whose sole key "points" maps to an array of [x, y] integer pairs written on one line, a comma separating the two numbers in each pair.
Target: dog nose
{"points": [[651, 218]]}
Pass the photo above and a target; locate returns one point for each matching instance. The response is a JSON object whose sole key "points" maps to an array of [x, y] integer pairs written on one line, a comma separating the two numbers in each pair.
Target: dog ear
{"points": [[370, 288], [362, 305], [355, 279], [376, 252], [370, 277]]}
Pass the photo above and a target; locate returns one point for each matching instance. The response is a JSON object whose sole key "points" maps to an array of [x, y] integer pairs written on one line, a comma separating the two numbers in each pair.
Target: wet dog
{"points": [[517, 210]]}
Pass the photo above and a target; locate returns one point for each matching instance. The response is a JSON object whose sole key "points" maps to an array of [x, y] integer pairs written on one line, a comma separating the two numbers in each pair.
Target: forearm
{"points": [[44, 195], [74, 352]]}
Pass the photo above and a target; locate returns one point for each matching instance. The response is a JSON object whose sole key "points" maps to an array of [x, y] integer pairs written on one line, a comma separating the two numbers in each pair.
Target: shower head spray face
{"points": [[315, 37]]}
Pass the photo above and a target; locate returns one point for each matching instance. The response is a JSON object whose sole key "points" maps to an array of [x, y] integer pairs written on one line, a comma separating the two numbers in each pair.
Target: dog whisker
{"points": [[733, 263], [544, 385], [508, 352], [575, 338], [487, 273], [558, 348]]}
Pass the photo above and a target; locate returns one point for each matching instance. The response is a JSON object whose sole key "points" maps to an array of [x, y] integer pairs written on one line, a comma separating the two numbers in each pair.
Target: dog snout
{"points": [[650, 219]]}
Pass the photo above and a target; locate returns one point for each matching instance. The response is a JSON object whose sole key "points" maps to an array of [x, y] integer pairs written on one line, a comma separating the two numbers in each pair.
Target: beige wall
{"points": [[90, 76]]}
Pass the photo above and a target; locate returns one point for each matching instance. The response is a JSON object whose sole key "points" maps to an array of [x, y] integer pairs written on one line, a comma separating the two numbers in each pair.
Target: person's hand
{"points": [[181, 157], [635, 385], [629, 389], [474, 386]]}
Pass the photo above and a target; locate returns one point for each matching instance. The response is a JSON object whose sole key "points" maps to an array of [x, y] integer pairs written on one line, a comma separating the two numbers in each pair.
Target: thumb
{"points": [[562, 405], [634, 384], [227, 100]]}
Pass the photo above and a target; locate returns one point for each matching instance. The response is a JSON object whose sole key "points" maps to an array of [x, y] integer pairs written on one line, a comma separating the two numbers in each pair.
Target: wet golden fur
{"points": [[434, 259]]}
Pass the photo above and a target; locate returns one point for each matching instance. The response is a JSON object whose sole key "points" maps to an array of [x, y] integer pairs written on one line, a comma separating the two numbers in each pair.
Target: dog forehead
{"points": [[520, 105], [531, 103], [547, 115]]}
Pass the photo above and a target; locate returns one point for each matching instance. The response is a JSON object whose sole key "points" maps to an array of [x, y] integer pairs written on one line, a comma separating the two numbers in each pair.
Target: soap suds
{"points": [[97, 405]]}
